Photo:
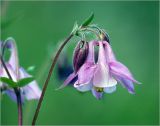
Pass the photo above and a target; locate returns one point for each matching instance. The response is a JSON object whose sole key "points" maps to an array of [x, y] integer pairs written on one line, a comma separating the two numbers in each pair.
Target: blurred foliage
{"points": [[133, 28]]}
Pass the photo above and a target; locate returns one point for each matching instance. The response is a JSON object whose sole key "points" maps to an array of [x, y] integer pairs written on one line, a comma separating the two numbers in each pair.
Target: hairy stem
{"points": [[17, 92], [48, 78]]}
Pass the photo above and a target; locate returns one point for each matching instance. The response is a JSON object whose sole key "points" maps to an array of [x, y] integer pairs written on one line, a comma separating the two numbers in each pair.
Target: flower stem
{"points": [[19, 104], [17, 92], [48, 78]]}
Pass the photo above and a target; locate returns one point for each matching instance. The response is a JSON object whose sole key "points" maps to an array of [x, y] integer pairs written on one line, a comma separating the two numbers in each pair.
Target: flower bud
{"points": [[80, 55]]}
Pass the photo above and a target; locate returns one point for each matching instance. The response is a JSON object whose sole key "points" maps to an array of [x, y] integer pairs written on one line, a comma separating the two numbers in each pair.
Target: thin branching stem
{"points": [[48, 78]]}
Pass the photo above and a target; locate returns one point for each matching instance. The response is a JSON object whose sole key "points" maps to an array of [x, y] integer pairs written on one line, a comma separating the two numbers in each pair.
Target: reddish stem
{"points": [[48, 78]]}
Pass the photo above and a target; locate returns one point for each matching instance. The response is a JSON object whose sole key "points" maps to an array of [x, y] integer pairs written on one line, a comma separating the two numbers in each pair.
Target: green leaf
{"points": [[75, 28], [88, 20], [30, 68], [24, 81], [8, 81]]}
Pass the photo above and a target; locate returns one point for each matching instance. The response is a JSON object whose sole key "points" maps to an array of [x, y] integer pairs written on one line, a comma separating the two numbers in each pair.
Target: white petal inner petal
{"points": [[83, 87], [102, 77], [110, 89]]}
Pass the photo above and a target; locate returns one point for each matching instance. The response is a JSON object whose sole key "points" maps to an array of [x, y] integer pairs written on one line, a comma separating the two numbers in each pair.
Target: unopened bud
{"points": [[80, 55]]}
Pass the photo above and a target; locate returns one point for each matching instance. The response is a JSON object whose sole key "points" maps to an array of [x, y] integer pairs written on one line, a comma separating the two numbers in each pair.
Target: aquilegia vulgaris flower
{"points": [[103, 75], [29, 91]]}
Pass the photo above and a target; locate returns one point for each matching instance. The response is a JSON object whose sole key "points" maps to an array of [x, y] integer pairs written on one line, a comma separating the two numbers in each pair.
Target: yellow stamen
{"points": [[98, 89]]}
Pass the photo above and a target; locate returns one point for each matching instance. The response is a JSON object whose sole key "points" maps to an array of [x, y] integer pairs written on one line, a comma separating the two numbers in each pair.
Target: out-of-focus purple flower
{"points": [[30, 91], [102, 76]]}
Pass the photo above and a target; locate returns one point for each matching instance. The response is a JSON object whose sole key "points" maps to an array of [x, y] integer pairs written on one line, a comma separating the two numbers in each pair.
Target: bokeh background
{"points": [[39, 27]]}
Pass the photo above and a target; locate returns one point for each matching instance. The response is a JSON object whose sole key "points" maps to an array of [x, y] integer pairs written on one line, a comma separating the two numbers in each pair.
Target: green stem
{"points": [[48, 78], [91, 30]]}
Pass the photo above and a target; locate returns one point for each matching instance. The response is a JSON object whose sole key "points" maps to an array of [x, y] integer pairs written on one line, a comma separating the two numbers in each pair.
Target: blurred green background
{"points": [[39, 28]]}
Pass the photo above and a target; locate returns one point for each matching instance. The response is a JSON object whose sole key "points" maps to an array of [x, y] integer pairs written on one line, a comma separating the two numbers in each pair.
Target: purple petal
{"points": [[101, 56], [96, 94], [68, 80], [83, 87], [87, 68], [120, 70], [110, 89], [86, 72], [13, 60], [102, 76], [109, 53], [11, 71], [127, 84], [31, 91], [90, 57]]}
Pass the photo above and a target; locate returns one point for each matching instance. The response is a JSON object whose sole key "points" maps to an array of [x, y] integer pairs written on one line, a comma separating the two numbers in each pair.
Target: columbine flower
{"points": [[30, 91], [103, 75]]}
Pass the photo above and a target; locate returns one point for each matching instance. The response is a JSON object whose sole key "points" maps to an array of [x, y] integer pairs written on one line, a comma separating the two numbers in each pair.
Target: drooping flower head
{"points": [[31, 90], [102, 76]]}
